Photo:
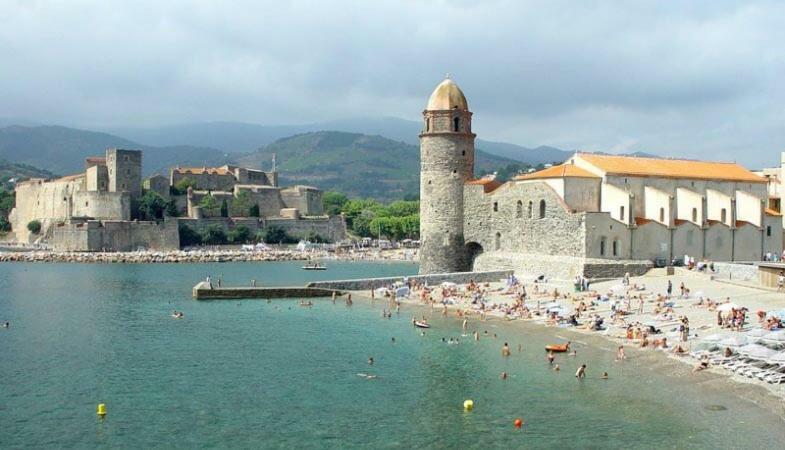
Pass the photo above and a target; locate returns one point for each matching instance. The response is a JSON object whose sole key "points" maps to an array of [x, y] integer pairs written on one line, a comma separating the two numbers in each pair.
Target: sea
{"points": [[258, 374]]}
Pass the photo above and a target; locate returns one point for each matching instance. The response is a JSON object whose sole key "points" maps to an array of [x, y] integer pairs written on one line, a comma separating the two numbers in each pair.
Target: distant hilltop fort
{"points": [[595, 215], [99, 209]]}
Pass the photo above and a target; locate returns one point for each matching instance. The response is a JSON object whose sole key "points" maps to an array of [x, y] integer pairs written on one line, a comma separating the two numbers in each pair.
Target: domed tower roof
{"points": [[447, 95]]}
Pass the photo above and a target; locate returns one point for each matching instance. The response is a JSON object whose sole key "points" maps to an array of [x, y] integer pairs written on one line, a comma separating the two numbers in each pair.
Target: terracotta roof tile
{"points": [[671, 168], [560, 171], [488, 184]]}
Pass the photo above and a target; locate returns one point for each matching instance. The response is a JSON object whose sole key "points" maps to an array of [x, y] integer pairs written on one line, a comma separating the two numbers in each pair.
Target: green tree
{"points": [[182, 185], [6, 202], [334, 202], [272, 234], [241, 205], [354, 208], [240, 235], [151, 206], [254, 211], [5, 225], [188, 236], [224, 208], [171, 209], [214, 235], [210, 206], [34, 226]]}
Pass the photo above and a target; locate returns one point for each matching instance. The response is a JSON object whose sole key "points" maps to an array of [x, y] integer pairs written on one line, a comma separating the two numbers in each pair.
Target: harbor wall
{"points": [[204, 291], [431, 280]]}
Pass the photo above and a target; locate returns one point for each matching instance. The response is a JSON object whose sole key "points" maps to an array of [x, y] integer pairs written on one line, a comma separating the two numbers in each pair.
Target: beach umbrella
{"points": [[777, 357], [716, 337], [775, 337], [757, 351], [725, 307], [733, 341]]}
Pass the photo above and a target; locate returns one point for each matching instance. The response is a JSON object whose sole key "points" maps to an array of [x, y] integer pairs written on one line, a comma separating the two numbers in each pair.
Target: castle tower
{"points": [[446, 163]]}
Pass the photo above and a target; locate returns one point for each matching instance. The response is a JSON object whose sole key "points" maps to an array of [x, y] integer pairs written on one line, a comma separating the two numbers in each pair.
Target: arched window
{"points": [[542, 209], [456, 123], [497, 241], [519, 209], [695, 215], [621, 213], [495, 206], [531, 207], [768, 230], [723, 215], [428, 124], [616, 249], [662, 215], [602, 246]]}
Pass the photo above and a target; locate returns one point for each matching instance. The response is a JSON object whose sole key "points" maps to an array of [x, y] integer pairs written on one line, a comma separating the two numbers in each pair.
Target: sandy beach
{"points": [[702, 320]]}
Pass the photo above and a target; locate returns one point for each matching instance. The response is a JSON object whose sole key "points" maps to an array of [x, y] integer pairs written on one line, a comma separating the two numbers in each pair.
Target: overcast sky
{"points": [[701, 79]]}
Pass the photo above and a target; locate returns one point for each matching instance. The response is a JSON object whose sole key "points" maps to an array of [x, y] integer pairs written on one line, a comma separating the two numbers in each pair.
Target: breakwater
{"points": [[179, 256], [431, 280], [204, 291]]}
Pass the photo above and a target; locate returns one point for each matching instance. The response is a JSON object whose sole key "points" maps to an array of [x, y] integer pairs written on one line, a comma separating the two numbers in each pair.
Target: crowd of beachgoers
{"points": [[722, 334], [208, 255]]}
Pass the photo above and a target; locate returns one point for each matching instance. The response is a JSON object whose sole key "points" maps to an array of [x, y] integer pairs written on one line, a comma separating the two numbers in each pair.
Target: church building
{"points": [[596, 215]]}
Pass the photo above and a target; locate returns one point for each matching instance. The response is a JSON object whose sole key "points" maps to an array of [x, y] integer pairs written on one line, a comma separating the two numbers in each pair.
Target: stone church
{"points": [[596, 215]]}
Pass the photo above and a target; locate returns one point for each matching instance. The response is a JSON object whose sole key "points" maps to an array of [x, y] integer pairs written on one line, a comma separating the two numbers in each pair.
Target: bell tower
{"points": [[446, 163]]}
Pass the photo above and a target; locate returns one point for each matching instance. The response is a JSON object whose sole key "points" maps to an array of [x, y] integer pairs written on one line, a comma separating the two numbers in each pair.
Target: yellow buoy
{"points": [[468, 405], [101, 409]]}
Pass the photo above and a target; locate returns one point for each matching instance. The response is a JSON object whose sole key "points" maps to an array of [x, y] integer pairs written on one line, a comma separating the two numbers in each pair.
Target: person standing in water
{"points": [[550, 358], [581, 373], [465, 324], [506, 350]]}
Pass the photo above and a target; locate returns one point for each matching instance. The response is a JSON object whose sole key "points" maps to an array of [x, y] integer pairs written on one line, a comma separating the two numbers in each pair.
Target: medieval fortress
{"points": [[593, 214], [95, 210]]}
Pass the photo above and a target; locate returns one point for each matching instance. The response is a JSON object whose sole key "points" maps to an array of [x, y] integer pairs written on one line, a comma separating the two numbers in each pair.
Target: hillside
{"points": [[63, 150], [248, 137], [356, 164], [9, 170]]}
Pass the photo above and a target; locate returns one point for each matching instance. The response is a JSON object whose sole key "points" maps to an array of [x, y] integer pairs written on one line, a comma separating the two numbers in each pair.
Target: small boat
{"points": [[421, 324], [314, 266], [557, 348]]}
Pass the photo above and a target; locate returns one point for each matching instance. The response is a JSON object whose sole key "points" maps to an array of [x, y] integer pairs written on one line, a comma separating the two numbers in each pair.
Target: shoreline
{"points": [[198, 256], [762, 394]]}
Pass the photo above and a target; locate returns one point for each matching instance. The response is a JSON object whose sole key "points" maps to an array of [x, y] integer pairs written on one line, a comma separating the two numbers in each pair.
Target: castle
{"points": [[595, 215], [96, 209]]}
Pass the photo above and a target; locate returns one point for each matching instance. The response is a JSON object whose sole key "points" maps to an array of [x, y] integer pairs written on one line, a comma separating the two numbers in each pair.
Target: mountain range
{"points": [[353, 163], [377, 157]]}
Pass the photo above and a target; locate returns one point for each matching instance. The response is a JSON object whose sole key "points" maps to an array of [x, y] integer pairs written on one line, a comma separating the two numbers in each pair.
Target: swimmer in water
{"points": [[6, 324], [556, 368], [370, 360], [604, 376], [393, 339], [503, 376], [505, 350]]}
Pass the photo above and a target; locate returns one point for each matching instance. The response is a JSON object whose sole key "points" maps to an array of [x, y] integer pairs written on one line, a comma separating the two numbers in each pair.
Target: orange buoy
{"points": [[518, 422]]}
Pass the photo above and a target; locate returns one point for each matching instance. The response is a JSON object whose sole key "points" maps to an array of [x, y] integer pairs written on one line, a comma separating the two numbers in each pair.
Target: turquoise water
{"points": [[253, 374]]}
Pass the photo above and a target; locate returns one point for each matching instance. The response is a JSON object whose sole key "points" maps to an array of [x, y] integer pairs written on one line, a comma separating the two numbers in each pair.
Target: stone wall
{"points": [[736, 271], [430, 280], [331, 228], [118, 236], [306, 199], [559, 267], [509, 219]]}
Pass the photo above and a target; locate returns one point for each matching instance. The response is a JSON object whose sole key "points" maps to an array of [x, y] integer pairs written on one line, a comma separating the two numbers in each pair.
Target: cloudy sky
{"points": [[696, 79]]}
